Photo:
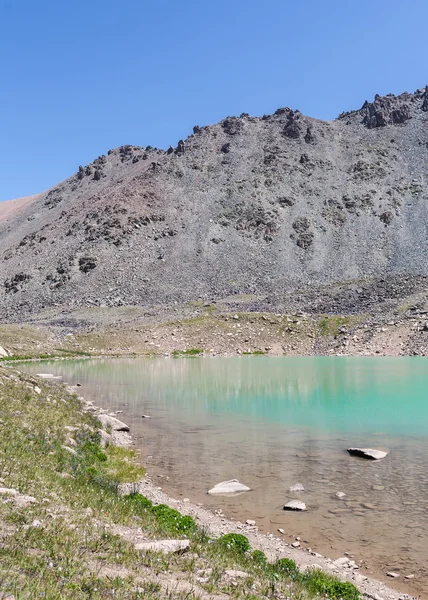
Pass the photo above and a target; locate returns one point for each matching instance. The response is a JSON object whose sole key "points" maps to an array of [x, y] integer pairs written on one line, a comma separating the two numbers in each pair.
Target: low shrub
{"points": [[173, 521], [235, 541]]}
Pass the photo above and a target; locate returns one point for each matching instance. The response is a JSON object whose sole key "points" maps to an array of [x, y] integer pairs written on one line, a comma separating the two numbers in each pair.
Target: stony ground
{"points": [[238, 325]]}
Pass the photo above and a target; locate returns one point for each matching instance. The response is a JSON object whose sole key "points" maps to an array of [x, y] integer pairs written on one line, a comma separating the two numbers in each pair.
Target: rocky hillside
{"points": [[261, 206]]}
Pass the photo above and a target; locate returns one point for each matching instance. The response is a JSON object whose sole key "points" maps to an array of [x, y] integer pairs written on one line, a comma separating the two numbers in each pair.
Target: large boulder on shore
{"points": [[231, 487], [115, 424], [370, 453]]}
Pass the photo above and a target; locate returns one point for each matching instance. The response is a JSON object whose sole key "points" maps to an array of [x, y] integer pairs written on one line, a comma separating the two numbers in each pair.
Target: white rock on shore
{"points": [[165, 546], [295, 505], [115, 424], [370, 453], [232, 487]]}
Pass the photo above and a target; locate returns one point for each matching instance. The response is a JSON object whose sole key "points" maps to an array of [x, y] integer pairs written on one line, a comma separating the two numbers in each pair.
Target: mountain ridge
{"points": [[252, 205]]}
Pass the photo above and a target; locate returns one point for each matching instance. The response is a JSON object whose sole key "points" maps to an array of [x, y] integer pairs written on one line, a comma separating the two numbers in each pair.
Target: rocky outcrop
{"points": [[387, 110]]}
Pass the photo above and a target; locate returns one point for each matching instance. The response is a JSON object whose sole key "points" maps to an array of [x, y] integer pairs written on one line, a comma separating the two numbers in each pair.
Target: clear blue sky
{"points": [[80, 77]]}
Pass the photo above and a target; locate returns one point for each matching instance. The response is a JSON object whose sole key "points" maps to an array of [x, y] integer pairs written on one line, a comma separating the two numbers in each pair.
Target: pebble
{"points": [[36, 523], [281, 530], [392, 574], [340, 494], [250, 522], [296, 544]]}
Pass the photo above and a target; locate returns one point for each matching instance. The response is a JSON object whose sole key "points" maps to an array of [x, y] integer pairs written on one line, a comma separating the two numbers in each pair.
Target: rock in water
{"points": [[231, 487], [297, 487], [295, 505], [369, 453]]}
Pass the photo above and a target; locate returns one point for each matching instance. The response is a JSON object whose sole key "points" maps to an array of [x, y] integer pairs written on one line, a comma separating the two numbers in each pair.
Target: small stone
{"points": [[281, 530], [36, 523], [410, 576], [295, 505], [250, 522], [393, 574], [165, 546], [24, 501], [341, 562], [37, 389], [236, 574], [296, 544], [8, 492], [340, 495], [145, 416]]}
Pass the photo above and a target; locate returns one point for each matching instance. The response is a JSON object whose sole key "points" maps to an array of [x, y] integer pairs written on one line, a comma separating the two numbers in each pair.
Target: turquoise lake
{"points": [[273, 422]]}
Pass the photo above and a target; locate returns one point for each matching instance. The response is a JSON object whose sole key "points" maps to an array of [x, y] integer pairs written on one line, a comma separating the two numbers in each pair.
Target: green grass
{"points": [[188, 352], [75, 553], [330, 325]]}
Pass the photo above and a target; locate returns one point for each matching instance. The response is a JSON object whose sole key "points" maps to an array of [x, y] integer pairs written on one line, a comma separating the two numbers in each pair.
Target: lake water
{"points": [[274, 422]]}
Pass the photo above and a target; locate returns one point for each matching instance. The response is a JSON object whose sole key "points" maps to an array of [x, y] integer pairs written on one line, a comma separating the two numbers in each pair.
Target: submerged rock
{"points": [[233, 486], [165, 546], [297, 487], [295, 505], [370, 453]]}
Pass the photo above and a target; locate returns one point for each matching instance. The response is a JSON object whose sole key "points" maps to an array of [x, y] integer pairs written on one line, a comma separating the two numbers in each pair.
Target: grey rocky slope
{"points": [[262, 206]]}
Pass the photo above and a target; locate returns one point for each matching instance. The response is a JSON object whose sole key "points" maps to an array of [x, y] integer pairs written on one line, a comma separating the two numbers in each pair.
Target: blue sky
{"points": [[78, 78]]}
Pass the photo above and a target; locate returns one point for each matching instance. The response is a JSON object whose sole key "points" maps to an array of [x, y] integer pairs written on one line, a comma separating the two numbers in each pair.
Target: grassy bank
{"points": [[66, 532]]}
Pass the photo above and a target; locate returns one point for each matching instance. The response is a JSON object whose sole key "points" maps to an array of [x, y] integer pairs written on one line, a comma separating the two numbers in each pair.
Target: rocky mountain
{"points": [[261, 206]]}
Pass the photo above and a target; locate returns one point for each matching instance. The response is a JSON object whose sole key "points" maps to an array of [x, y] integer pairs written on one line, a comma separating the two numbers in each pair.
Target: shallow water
{"points": [[273, 422]]}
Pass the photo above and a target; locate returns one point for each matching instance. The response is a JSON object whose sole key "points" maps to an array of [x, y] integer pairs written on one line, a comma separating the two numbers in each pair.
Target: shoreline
{"points": [[216, 523]]}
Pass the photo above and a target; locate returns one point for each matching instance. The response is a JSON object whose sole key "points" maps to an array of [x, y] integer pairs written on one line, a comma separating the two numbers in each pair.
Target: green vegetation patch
{"points": [[331, 325], [188, 352]]}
